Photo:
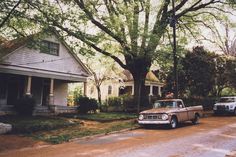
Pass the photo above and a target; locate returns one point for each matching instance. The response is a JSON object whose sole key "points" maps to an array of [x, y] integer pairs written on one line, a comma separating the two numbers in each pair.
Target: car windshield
{"points": [[165, 104], [226, 100]]}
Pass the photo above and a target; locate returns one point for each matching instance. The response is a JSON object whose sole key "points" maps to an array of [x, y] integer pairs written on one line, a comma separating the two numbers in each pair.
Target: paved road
{"points": [[214, 137]]}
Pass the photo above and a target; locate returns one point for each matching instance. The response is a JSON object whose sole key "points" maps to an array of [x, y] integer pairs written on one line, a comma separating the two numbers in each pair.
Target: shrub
{"points": [[114, 101], [206, 102], [86, 104], [25, 106]]}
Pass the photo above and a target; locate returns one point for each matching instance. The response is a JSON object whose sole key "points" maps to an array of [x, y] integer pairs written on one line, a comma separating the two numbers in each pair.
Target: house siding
{"points": [[33, 58]]}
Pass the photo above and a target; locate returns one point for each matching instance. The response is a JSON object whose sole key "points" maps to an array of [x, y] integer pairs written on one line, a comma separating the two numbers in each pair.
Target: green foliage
{"points": [[207, 102], [77, 92], [230, 71], [25, 106], [196, 73], [86, 104], [199, 71], [228, 91], [115, 101]]}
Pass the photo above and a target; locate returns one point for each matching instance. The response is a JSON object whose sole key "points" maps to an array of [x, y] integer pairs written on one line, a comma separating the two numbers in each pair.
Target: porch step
{"points": [[42, 111]]}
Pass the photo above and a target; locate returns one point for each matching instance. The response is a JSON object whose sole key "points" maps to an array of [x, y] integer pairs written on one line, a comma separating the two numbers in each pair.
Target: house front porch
{"points": [[50, 94]]}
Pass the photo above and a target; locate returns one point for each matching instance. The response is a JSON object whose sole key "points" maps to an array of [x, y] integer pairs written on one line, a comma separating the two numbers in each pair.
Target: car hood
{"points": [[159, 110]]}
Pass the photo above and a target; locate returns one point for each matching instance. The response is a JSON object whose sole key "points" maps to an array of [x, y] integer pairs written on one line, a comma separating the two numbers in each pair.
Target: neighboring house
{"points": [[125, 85], [43, 73]]}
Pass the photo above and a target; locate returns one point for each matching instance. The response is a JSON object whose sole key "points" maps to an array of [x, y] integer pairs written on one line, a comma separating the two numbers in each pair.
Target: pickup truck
{"points": [[171, 112], [225, 105]]}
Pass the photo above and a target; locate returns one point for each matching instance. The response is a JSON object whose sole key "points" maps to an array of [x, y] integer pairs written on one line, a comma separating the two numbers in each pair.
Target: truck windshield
{"points": [[165, 104], [226, 100]]}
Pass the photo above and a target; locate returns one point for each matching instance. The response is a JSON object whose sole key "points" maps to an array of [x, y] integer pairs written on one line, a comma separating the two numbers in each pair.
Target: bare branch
{"points": [[196, 7]]}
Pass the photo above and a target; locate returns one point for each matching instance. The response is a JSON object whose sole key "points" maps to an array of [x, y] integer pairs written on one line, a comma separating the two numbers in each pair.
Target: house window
{"points": [[49, 47], [109, 90]]}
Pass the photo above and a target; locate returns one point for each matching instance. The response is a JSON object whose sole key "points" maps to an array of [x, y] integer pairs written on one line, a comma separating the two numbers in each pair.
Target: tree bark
{"points": [[139, 70], [139, 83], [99, 95]]}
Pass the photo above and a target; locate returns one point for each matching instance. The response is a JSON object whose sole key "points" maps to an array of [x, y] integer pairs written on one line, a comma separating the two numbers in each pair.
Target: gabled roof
{"points": [[7, 47], [149, 77]]}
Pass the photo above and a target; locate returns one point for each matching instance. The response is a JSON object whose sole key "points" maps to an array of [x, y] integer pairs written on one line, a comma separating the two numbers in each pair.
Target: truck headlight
{"points": [[141, 117], [214, 108], [164, 117]]}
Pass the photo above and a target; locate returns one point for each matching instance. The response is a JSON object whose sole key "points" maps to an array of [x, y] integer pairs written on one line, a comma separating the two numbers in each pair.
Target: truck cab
{"points": [[225, 105]]}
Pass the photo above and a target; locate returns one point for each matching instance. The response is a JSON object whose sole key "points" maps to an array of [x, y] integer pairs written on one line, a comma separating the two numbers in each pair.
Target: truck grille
{"points": [[152, 117], [221, 107]]}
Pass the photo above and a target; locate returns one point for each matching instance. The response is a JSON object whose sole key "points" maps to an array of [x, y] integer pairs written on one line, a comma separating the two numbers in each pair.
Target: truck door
{"points": [[183, 112]]}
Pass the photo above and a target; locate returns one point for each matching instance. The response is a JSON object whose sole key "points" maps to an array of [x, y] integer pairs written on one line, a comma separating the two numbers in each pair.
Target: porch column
{"points": [[159, 90], [51, 94], [151, 90], [28, 89], [132, 93], [85, 88]]}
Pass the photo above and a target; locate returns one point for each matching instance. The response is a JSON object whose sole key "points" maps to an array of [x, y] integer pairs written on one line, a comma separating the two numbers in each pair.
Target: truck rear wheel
{"points": [[196, 119], [173, 123]]}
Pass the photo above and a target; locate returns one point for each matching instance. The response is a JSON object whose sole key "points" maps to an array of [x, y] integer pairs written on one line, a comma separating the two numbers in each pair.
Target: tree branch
{"points": [[10, 13], [100, 25]]}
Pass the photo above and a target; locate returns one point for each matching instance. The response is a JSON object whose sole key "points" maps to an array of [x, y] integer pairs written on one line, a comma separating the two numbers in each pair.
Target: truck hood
{"points": [[225, 103], [159, 110]]}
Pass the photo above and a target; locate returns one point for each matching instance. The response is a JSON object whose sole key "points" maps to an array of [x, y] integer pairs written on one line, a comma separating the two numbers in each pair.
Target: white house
{"points": [[125, 85], [43, 73]]}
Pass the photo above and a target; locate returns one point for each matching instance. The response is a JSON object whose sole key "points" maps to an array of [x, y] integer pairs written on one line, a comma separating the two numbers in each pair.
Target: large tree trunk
{"points": [[99, 95], [139, 84], [139, 70]]}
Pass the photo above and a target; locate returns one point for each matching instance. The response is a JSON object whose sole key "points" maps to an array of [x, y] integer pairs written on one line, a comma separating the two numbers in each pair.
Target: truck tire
{"points": [[235, 111], [196, 119], [173, 123]]}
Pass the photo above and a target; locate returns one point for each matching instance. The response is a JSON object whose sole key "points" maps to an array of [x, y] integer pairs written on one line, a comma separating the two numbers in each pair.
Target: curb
{"points": [[207, 114], [103, 134]]}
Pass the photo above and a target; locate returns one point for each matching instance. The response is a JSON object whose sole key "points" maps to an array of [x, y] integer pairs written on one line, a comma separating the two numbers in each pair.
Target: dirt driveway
{"points": [[146, 142]]}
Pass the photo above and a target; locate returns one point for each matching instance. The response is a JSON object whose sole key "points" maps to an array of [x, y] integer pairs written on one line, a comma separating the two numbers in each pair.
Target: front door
{"points": [[46, 91]]}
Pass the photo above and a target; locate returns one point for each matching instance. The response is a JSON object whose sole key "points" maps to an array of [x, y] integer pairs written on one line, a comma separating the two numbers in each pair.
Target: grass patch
{"points": [[61, 129], [27, 125], [103, 117], [65, 134]]}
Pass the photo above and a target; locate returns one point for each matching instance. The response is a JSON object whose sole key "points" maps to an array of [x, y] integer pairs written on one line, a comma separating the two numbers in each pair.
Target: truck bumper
{"points": [[223, 111], [142, 122]]}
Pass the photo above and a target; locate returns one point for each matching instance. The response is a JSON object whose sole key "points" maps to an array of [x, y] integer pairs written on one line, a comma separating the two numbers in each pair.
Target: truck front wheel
{"points": [[196, 119], [173, 123]]}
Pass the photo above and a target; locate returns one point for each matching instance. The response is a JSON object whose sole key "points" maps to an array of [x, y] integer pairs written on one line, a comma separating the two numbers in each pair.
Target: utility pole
{"points": [[173, 25]]}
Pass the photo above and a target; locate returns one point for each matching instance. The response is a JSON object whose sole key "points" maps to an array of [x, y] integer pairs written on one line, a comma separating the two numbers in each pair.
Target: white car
{"points": [[225, 105]]}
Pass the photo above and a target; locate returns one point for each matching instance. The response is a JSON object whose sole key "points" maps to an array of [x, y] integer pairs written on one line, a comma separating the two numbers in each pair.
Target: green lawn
{"points": [[60, 129], [27, 125], [68, 133], [104, 116]]}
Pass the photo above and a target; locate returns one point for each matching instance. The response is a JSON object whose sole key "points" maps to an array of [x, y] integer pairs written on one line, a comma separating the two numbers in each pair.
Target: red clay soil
{"points": [[11, 142]]}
